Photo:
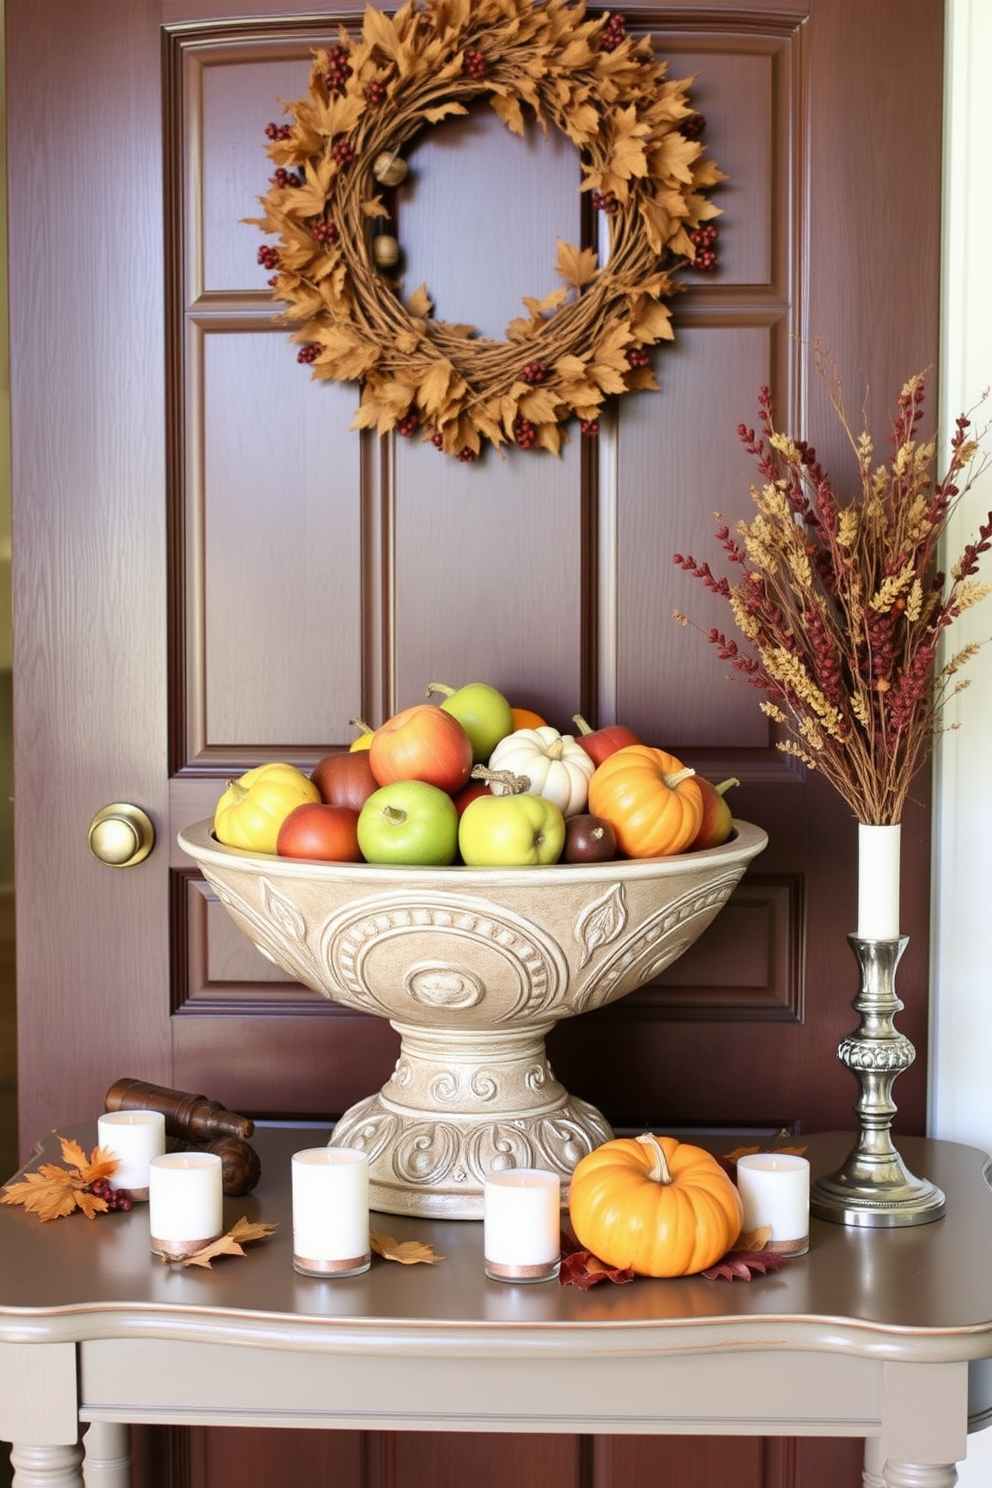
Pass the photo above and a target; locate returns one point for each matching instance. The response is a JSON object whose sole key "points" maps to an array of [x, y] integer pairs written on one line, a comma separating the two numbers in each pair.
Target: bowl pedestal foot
{"points": [[461, 1104]]}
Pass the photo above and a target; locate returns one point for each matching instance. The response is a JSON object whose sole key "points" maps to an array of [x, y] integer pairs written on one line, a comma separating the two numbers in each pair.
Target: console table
{"points": [[883, 1334]]}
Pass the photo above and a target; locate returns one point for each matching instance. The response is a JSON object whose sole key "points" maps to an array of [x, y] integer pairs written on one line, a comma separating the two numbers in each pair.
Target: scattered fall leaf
{"points": [[407, 1252], [580, 1268], [52, 1192], [743, 1265], [241, 1233]]}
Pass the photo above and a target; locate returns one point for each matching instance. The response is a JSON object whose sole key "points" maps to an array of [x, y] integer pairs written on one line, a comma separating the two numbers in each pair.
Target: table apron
{"points": [[753, 1393]]}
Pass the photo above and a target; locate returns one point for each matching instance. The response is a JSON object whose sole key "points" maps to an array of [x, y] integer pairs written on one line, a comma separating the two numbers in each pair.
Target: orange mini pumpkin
{"points": [[651, 800], [664, 1207]]}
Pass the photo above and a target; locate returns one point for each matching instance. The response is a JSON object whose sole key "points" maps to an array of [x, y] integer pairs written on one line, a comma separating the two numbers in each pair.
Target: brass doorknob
{"points": [[121, 835]]}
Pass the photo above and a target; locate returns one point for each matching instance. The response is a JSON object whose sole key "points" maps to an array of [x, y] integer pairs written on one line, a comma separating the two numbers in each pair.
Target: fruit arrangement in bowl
{"points": [[473, 914], [473, 782]]}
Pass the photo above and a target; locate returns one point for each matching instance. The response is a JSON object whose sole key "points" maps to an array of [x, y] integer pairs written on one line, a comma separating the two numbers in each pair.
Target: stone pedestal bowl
{"points": [[472, 967]]}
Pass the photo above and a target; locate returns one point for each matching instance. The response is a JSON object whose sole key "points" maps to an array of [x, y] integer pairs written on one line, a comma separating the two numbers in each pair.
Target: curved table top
{"points": [[920, 1293]]}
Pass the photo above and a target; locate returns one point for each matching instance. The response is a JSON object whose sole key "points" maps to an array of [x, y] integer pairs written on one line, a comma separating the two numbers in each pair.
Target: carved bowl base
{"points": [[455, 1110]]}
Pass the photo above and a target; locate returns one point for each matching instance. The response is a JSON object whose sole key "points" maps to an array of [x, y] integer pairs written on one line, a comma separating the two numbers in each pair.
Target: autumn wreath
{"points": [[641, 161]]}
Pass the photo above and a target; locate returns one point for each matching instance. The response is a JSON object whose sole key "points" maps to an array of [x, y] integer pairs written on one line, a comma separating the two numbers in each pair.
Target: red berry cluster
{"points": [[614, 34], [524, 432], [704, 240], [604, 201], [466, 455], [534, 372], [339, 70], [277, 131], [638, 357], [475, 64], [590, 427], [268, 256], [343, 152], [325, 232], [375, 92], [117, 1200], [437, 439], [693, 126], [408, 425], [309, 353], [285, 177]]}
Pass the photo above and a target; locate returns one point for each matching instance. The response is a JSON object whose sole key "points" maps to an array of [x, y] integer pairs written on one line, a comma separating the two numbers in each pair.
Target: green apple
{"points": [[483, 713], [409, 822], [510, 832]]}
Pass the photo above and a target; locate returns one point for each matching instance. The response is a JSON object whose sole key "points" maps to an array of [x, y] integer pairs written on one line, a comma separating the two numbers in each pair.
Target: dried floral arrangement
{"points": [[642, 164], [843, 606]]}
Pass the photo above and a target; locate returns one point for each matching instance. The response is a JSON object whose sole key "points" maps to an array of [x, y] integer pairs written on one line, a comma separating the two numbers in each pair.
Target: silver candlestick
{"points": [[873, 1187]]}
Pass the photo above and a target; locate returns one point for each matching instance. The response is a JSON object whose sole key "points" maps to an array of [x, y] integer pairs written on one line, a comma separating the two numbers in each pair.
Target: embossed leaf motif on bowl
{"points": [[472, 967]]}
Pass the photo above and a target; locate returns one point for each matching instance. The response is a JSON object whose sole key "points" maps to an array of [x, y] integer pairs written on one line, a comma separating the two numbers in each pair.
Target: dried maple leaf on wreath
{"points": [[241, 1233], [407, 1252], [52, 1192]]}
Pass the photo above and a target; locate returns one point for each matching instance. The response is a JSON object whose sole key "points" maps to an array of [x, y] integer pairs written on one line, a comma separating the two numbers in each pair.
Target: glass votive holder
{"points": [[521, 1217], [774, 1189], [185, 1202], [331, 1211], [134, 1138]]}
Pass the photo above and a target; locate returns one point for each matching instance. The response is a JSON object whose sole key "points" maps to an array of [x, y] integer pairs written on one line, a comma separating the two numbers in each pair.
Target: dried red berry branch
{"points": [[842, 605]]}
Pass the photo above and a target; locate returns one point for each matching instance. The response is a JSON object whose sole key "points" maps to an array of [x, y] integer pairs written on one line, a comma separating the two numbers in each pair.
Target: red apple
{"points": [[599, 744], [718, 820], [469, 792], [313, 830], [345, 779], [422, 743], [588, 839]]}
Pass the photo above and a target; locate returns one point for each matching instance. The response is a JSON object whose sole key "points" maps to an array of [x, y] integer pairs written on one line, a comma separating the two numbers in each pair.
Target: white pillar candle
{"points": [[878, 882], [185, 1202], [331, 1211], [134, 1138], [521, 1209], [774, 1189]]}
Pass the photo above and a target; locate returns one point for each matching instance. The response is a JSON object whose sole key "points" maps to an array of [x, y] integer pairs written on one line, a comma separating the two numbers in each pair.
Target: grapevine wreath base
{"points": [[341, 154]]}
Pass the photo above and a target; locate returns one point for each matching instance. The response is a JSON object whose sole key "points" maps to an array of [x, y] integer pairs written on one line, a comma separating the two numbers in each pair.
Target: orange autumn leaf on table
{"points": [[53, 1192], [241, 1233], [407, 1252]]}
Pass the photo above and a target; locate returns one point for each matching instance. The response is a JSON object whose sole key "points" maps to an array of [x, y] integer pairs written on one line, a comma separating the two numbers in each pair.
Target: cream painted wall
{"points": [[961, 1049]]}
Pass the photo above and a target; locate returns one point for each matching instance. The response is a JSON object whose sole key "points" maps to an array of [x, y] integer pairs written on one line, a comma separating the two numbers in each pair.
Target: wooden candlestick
{"points": [[191, 1116]]}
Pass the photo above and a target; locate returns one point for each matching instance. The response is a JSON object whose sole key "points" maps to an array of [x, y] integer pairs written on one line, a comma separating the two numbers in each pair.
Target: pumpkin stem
{"points": [[440, 687], [659, 1171], [725, 785], [673, 780], [581, 725], [361, 725], [240, 791], [513, 785], [555, 748]]}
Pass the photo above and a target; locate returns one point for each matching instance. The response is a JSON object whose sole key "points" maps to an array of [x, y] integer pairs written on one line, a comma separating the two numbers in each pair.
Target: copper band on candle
{"points": [[332, 1268], [139, 1195], [544, 1272], [788, 1247], [178, 1250]]}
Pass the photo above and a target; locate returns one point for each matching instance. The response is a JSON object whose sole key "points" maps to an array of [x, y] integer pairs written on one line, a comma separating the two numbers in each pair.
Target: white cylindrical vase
{"points": [[522, 1225], [185, 1202], [774, 1189], [331, 1211], [134, 1138]]}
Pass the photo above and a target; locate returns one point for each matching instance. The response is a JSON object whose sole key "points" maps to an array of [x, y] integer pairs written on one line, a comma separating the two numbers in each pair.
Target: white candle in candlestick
{"points": [[522, 1225], [774, 1189], [134, 1138], [185, 1202], [331, 1211], [878, 882]]}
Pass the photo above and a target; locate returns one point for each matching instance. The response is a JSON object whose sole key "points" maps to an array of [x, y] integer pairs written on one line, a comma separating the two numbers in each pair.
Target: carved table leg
{"points": [[47, 1467], [874, 1466], [920, 1475], [107, 1463]]}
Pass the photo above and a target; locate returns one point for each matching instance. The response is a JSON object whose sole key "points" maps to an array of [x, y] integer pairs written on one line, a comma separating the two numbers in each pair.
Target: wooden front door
{"points": [[211, 569]]}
